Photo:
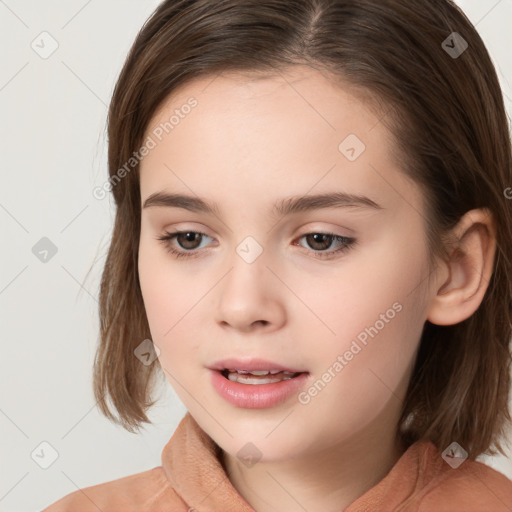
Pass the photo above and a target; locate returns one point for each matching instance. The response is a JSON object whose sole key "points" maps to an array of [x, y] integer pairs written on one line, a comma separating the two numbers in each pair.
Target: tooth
{"points": [[246, 379], [260, 372], [273, 372]]}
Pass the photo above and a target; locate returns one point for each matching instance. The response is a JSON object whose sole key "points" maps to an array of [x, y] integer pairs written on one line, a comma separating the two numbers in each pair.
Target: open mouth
{"points": [[258, 376], [257, 389]]}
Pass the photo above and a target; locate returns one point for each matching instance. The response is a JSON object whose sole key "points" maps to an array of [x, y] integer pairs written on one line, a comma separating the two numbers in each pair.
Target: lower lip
{"points": [[256, 396]]}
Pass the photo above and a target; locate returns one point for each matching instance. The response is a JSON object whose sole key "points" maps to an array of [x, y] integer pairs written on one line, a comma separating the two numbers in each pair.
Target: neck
{"points": [[327, 480]]}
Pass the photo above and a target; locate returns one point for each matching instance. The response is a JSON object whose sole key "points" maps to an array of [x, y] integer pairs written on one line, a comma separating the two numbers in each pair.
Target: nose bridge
{"points": [[248, 271], [247, 295]]}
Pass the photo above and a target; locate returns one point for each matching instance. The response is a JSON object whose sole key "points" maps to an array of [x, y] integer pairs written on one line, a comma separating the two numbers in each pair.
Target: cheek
{"points": [[378, 279], [377, 340], [391, 316], [371, 315], [163, 292]]}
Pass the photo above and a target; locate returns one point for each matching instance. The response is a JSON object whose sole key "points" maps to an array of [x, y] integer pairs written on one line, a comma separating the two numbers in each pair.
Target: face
{"points": [[334, 290]]}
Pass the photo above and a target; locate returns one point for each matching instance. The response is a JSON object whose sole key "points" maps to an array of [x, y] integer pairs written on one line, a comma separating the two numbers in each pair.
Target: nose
{"points": [[250, 297]]}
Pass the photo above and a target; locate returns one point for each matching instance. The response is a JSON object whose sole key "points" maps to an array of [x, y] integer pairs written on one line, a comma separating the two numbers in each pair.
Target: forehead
{"points": [[295, 131], [298, 92]]}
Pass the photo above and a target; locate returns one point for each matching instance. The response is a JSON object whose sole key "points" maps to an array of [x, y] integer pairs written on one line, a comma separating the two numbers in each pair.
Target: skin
{"points": [[288, 305]]}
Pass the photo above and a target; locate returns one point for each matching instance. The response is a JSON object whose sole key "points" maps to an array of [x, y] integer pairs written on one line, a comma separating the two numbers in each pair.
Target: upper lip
{"points": [[251, 364]]}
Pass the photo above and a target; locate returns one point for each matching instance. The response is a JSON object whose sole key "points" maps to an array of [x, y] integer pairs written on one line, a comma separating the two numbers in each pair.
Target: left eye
{"points": [[188, 240]]}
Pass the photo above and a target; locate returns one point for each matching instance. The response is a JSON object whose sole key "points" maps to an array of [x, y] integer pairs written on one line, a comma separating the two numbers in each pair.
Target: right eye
{"points": [[188, 238]]}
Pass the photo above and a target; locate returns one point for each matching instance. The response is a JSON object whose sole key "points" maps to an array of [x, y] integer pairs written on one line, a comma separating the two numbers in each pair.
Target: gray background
{"points": [[53, 155]]}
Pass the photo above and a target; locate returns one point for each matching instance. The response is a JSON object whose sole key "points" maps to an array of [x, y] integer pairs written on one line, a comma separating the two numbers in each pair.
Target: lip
{"points": [[252, 364], [256, 396]]}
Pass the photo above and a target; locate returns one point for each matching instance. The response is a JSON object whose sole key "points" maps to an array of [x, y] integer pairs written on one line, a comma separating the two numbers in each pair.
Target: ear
{"points": [[469, 269]]}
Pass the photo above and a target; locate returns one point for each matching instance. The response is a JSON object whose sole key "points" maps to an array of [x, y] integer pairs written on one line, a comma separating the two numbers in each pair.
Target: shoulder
{"points": [[132, 493], [472, 487]]}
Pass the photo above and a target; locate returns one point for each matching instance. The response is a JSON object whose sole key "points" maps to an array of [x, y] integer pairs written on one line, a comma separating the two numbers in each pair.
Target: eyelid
{"points": [[315, 228]]}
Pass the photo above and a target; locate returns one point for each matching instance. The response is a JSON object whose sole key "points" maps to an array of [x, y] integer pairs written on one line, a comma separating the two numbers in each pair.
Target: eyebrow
{"points": [[282, 208]]}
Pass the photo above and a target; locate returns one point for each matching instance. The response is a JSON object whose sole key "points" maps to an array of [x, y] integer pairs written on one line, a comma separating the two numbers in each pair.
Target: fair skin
{"points": [[246, 145]]}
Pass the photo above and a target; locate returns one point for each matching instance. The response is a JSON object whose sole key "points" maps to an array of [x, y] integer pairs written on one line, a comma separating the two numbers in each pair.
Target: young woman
{"points": [[313, 245]]}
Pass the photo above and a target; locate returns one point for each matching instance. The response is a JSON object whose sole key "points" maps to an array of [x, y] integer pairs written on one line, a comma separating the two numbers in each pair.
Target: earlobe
{"points": [[469, 270]]}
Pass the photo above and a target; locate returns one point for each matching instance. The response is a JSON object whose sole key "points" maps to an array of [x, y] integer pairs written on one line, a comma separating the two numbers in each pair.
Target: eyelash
{"points": [[167, 237]]}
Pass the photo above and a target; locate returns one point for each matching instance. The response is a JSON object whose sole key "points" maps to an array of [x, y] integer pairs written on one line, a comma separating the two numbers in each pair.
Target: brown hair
{"points": [[448, 118]]}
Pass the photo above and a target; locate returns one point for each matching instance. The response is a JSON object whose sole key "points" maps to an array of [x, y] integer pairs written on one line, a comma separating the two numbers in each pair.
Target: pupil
{"points": [[189, 237], [319, 237]]}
